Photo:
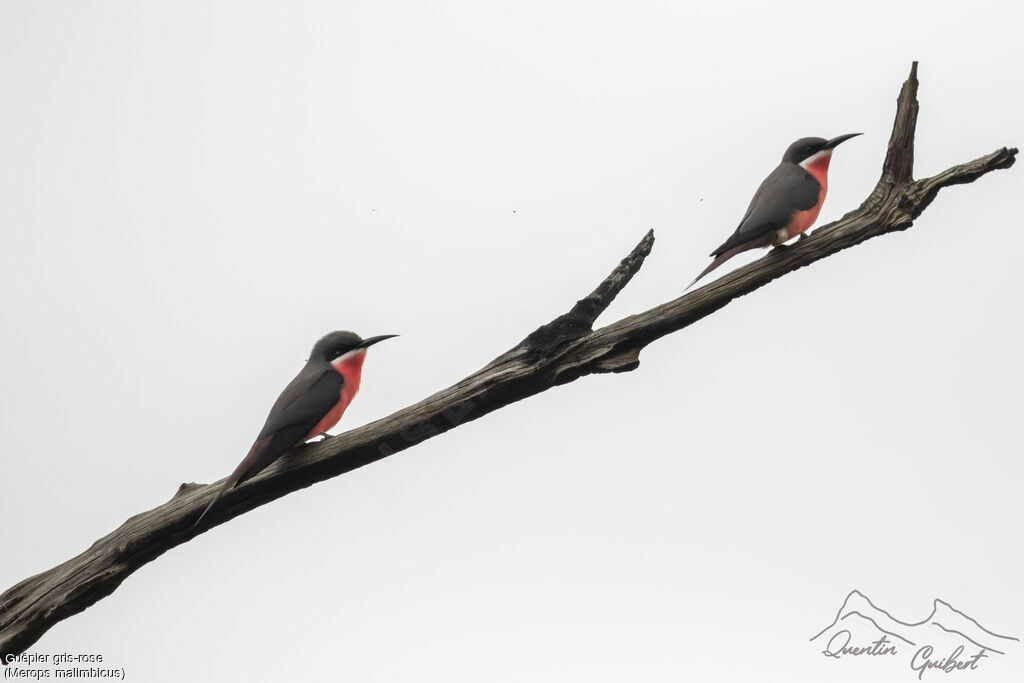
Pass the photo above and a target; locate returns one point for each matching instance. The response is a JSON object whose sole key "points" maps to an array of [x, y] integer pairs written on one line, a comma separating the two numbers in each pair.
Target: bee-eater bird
{"points": [[311, 404], [787, 202]]}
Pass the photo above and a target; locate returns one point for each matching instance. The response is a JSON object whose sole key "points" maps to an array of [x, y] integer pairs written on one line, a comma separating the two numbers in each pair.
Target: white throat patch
{"points": [[815, 157], [345, 356]]}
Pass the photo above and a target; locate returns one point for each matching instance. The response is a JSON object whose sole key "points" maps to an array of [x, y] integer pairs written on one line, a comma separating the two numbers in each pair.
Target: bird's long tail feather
{"points": [[229, 483], [722, 258], [239, 474]]}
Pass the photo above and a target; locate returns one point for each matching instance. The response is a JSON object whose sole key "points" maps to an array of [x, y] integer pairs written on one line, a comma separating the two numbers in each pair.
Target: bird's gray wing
{"points": [[787, 189], [302, 404], [306, 399]]}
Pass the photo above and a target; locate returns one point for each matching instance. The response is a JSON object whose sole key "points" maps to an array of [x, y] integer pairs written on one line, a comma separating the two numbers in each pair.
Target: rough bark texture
{"points": [[559, 352]]}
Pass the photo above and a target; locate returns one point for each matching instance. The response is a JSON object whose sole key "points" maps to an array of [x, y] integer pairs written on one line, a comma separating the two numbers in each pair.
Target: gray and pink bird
{"points": [[311, 404], [787, 202]]}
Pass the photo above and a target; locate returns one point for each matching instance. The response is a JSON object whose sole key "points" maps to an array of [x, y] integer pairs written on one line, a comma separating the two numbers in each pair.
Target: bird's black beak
{"points": [[835, 142], [370, 341]]}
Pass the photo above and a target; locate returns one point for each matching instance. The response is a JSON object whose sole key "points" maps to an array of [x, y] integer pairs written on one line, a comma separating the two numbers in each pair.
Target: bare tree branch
{"points": [[559, 352]]}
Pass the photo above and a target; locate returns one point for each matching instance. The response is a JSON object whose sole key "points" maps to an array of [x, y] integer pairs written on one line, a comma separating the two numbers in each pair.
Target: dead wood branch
{"points": [[559, 352]]}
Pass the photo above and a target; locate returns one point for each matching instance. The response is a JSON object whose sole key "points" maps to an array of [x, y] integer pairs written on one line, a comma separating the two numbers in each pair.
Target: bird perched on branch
{"points": [[311, 404], [787, 202]]}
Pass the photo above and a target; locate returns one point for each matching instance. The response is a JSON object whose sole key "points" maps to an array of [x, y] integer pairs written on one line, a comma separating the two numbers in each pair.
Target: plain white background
{"points": [[191, 193]]}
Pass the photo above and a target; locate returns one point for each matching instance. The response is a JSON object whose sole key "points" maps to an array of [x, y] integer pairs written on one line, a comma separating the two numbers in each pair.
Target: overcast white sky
{"points": [[191, 193]]}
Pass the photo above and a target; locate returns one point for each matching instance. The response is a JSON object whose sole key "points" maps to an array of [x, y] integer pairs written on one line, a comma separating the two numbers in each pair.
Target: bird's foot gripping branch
{"points": [[561, 351]]}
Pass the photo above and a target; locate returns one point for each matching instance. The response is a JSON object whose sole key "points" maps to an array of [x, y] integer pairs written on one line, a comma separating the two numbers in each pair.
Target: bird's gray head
{"points": [[337, 344], [804, 148]]}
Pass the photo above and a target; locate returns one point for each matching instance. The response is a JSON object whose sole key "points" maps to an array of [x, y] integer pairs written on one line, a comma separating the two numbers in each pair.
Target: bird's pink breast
{"points": [[800, 221], [351, 368]]}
